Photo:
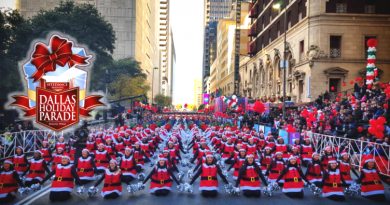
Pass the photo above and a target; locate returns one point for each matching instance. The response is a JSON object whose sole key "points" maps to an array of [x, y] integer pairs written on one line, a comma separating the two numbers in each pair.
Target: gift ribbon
{"points": [[61, 54]]}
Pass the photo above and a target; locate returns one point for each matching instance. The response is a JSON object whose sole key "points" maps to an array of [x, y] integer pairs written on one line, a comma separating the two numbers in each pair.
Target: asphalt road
{"points": [[145, 198]]}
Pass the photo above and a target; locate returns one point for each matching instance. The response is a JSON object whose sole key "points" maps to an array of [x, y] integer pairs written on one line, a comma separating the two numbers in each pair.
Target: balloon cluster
{"points": [[259, 107], [290, 128], [377, 127]]}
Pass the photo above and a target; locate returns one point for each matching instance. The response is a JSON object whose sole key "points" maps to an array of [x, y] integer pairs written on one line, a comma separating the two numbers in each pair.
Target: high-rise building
{"points": [[198, 93], [222, 69], [326, 47], [136, 25], [213, 11]]}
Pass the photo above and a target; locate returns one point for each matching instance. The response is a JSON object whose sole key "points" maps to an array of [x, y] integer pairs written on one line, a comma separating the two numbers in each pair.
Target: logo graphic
{"points": [[206, 98], [56, 87]]}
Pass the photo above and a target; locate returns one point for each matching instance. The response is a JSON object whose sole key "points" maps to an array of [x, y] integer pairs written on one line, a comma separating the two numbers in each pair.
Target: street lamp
{"points": [[278, 6], [155, 68]]}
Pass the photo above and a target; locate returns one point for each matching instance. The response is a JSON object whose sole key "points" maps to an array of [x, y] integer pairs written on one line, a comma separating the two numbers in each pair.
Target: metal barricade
{"points": [[357, 149]]}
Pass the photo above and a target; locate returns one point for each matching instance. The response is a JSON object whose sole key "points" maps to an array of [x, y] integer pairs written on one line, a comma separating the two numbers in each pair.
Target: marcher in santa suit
{"points": [[293, 179], [120, 146], [266, 159], [139, 155], [128, 166], [127, 140], [161, 178], [71, 149], [63, 183], [281, 147], [252, 149], [227, 149], [99, 139], [332, 183], [170, 162], [249, 178], [57, 158], [295, 153], [194, 144], [307, 150], [61, 143], [46, 151], [208, 173], [86, 168], [110, 148], [19, 160], [261, 141], [36, 170], [102, 158], [371, 185], [276, 168], [9, 182], [112, 176], [237, 163], [201, 150], [91, 145], [146, 147], [328, 156], [314, 171], [344, 165]]}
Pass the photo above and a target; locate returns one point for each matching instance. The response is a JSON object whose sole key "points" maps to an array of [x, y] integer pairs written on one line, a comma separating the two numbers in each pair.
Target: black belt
{"points": [[36, 171], [120, 150], [375, 182], [84, 170], [252, 179], [8, 185], [345, 173], [227, 152], [313, 174], [20, 165], [295, 179], [146, 151], [161, 181], [307, 152], [46, 156], [332, 184], [126, 169], [63, 179], [113, 184], [209, 178], [101, 161], [276, 172], [236, 169], [139, 160], [265, 165]]}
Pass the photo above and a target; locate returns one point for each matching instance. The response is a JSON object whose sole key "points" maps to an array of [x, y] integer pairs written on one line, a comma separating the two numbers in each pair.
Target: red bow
{"points": [[61, 54]]}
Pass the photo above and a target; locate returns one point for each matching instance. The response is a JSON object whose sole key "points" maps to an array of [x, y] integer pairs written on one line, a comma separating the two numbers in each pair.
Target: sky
{"points": [[186, 17]]}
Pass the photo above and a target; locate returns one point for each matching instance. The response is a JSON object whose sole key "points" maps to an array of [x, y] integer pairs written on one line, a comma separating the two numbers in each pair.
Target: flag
{"points": [[217, 93]]}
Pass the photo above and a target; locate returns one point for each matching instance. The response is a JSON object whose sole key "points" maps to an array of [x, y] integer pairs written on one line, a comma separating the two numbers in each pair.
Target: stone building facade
{"points": [[326, 46]]}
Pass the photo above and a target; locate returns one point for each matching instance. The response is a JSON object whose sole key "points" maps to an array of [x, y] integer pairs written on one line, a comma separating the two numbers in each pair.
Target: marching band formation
{"points": [[117, 156]]}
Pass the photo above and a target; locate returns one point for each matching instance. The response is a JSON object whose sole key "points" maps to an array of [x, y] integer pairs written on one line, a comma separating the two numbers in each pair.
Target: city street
{"points": [[145, 198]]}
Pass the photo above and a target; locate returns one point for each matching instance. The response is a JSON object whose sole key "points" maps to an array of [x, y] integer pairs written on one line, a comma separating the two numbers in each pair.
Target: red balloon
{"points": [[348, 95], [280, 107], [321, 117], [381, 120], [309, 124], [379, 135], [332, 88], [373, 122], [337, 99], [360, 78], [361, 84], [344, 84], [340, 94], [351, 82], [385, 106], [372, 42], [128, 111], [360, 129], [356, 79], [380, 128], [369, 86], [372, 130]]}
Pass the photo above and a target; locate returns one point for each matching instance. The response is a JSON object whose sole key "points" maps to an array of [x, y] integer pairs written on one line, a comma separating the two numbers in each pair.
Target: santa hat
{"points": [[332, 161], [343, 153], [166, 150], [109, 139], [307, 138], [369, 159], [39, 151], [60, 148], [66, 156], [278, 153], [209, 154], [267, 148], [250, 155], [294, 147], [314, 153], [292, 157], [85, 150], [20, 147], [128, 148], [202, 141], [326, 148], [242, 150], [9, 161], [61, 137], [101, 144], [280, 137], [45, 141], [113, 160], [170, 141], [161, 157]]}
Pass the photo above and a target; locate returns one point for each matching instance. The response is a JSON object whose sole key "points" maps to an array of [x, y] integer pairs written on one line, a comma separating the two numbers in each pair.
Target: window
{"points": [[301, 50], [263, 20], [369, 6], [366, 38], [300, 11], [341, 6], [290, 87], [289, 20], [279, 69], [335, 46]]}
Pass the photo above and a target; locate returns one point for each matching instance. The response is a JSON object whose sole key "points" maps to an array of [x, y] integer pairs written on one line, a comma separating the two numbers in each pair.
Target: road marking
{"points": [[32, 195], [35, 198]]}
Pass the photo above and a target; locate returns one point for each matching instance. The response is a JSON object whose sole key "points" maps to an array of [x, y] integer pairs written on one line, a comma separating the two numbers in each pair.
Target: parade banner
{"points": [[261, 128], [266, 130], [256, 126], [293, 136], [56, 87], [284, 135]]}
